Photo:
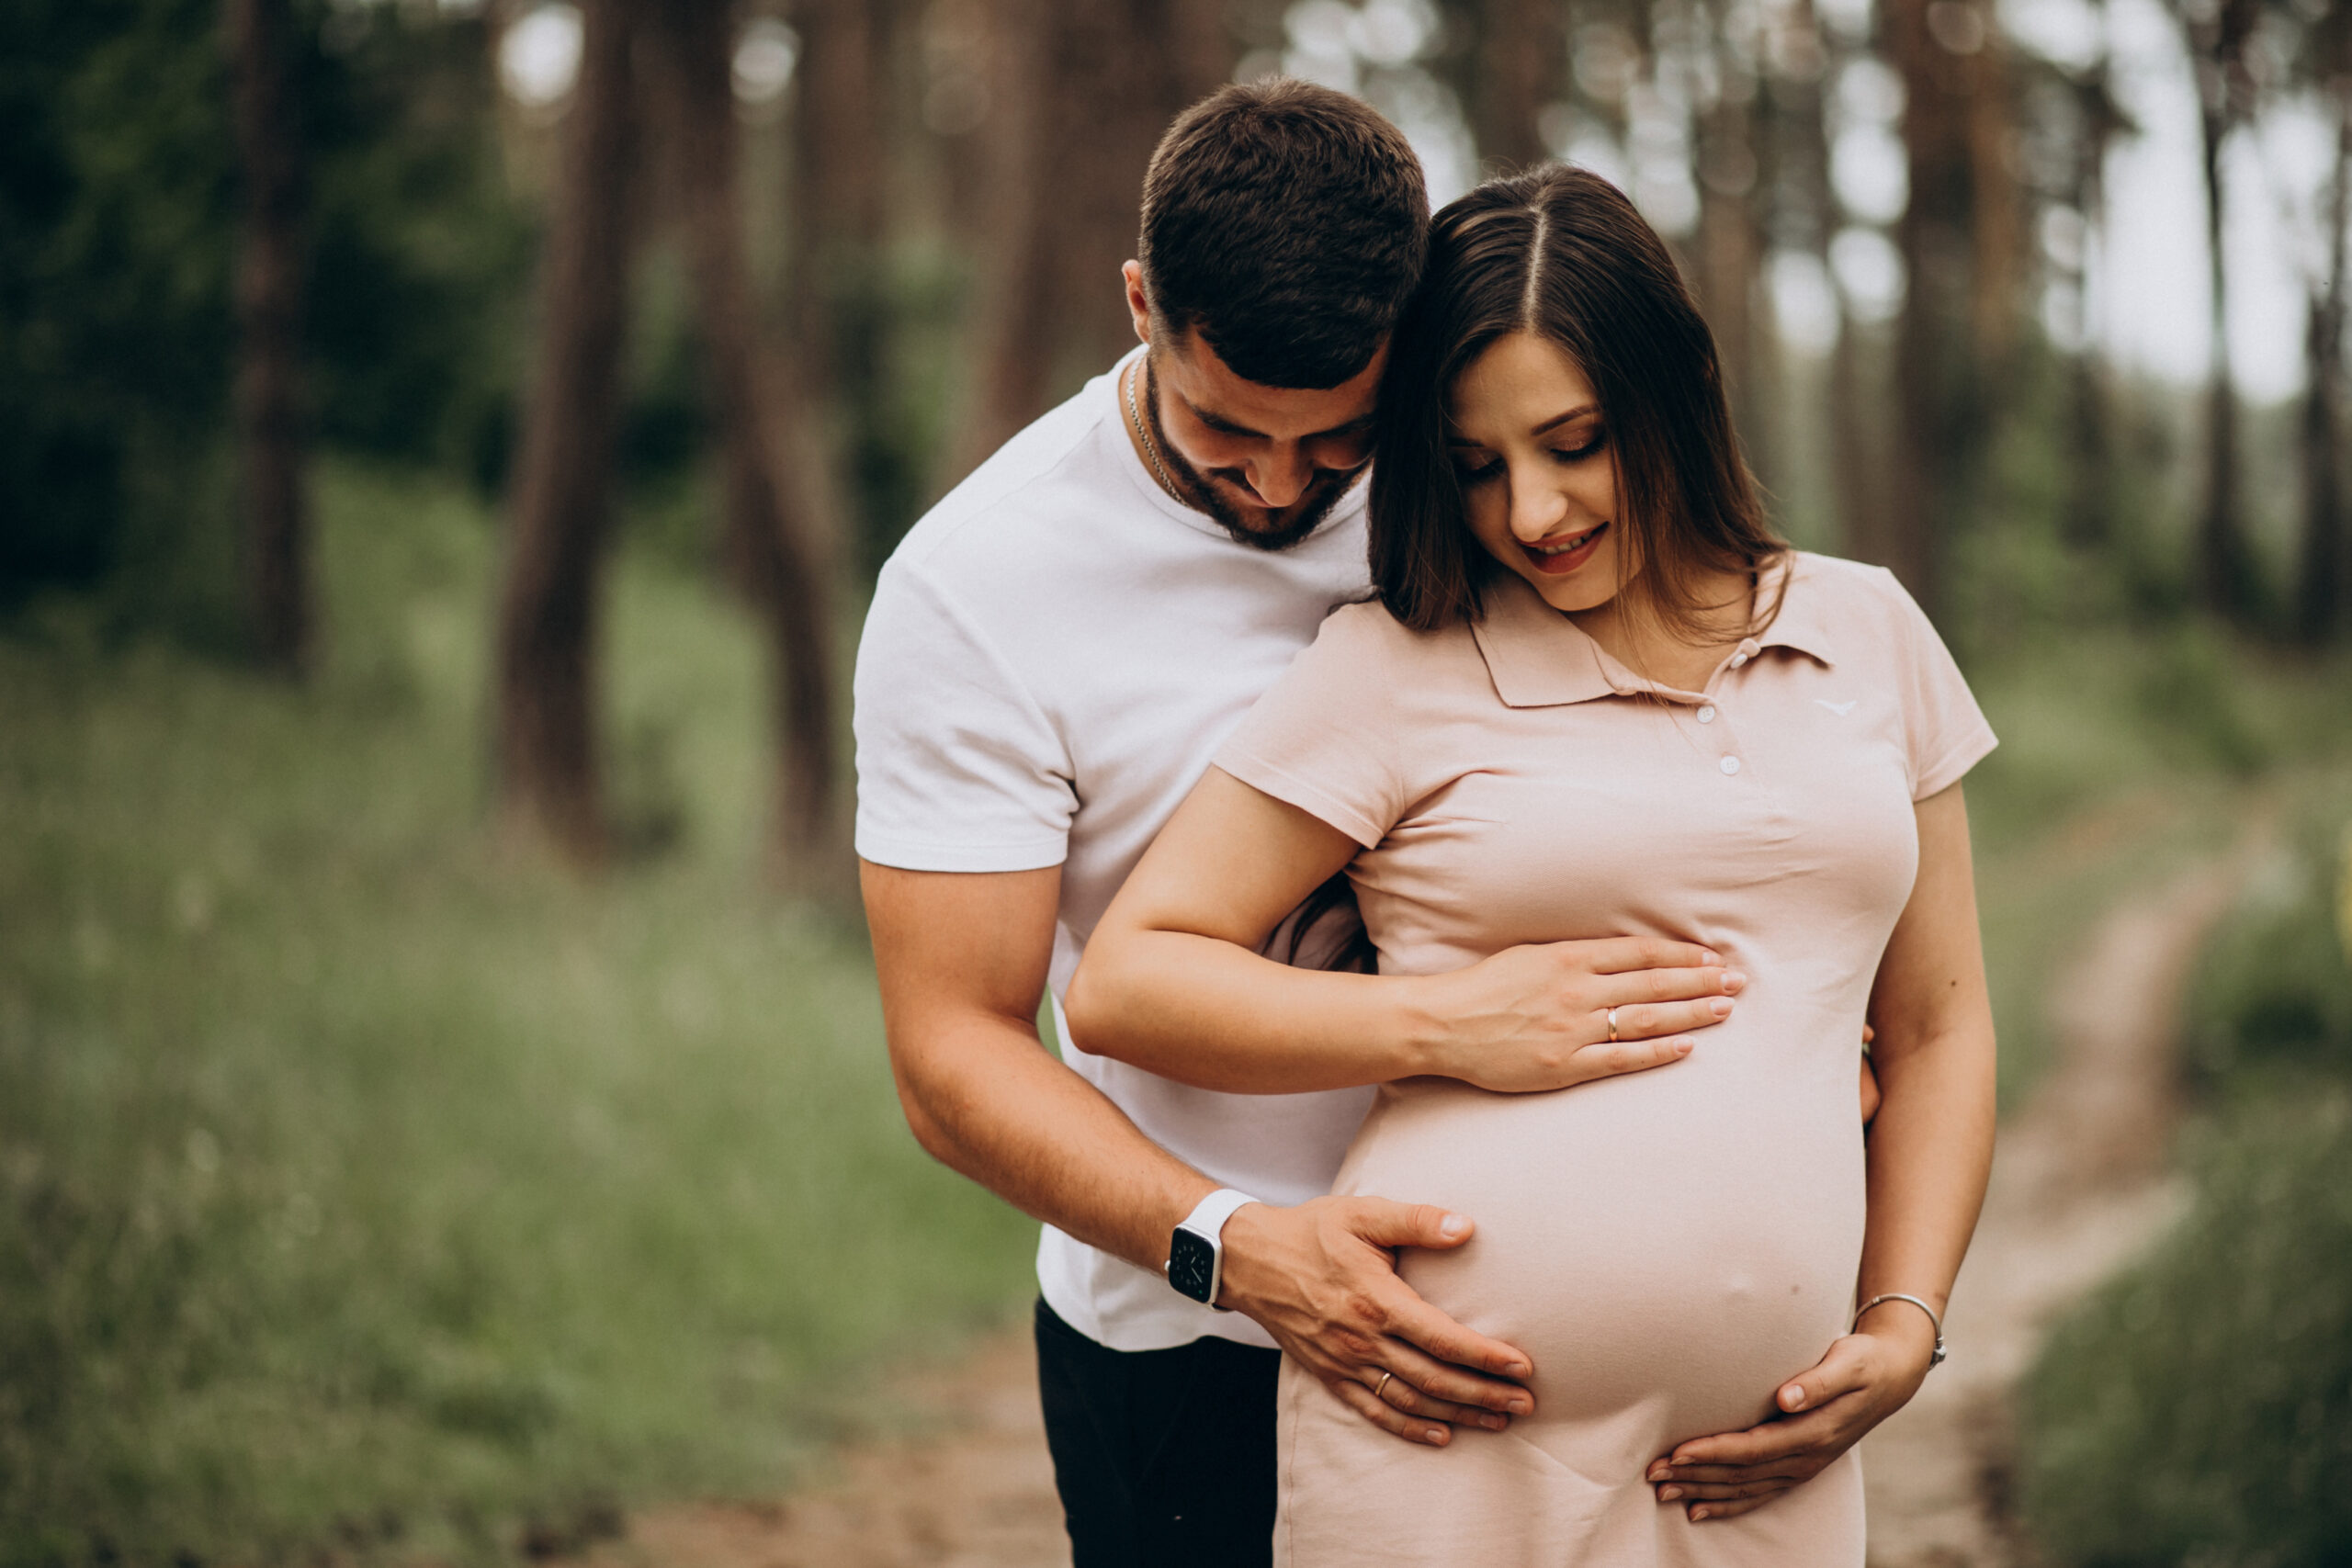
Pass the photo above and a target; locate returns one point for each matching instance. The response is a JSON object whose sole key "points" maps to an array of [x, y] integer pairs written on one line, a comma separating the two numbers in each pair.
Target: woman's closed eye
{"points": [[1473, 467]]}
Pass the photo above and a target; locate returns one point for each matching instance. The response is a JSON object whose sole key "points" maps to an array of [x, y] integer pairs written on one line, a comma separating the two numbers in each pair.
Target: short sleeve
{"points": [[1947, 731], [958, 767], [1322, 736]]}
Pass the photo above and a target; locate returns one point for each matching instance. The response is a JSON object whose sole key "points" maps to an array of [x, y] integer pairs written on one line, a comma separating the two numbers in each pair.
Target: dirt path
{"points": [[2079, 1186]]}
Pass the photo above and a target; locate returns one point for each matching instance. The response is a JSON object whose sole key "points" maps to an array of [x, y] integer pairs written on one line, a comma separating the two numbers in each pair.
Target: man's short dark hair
{"points": [[1285, 223]]}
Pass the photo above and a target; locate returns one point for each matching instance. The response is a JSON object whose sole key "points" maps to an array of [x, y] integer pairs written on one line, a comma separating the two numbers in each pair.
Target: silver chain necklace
{"points": [[1151, 448]]}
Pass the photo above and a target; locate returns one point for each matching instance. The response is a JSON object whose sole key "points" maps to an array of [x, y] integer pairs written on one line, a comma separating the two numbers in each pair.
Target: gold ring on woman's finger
{"points": [[1379, 1388], [1612, 1026]]}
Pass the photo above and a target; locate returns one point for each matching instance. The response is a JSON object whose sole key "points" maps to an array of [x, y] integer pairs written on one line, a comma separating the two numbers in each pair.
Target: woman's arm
{"points": [[1172, 981], [1930, 1153]]}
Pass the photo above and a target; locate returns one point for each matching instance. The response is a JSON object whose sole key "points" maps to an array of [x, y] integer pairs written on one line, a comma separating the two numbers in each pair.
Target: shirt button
{"points": [[1731, 764], [1737, 660], [1707, 716]]}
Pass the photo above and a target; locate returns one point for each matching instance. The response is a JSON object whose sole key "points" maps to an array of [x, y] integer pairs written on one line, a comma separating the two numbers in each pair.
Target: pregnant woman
{"points": [[1597, 695]]}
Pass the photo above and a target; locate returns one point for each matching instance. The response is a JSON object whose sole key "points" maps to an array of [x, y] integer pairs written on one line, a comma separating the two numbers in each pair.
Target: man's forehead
{"points": [[1189, 367]]}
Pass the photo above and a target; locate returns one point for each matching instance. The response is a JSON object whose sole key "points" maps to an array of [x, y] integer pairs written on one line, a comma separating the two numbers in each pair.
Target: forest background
{"points": [[445, 449]]}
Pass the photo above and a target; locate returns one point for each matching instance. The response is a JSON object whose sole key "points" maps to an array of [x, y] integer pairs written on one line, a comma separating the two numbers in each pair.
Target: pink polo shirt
{"points": [[1668, 1247]]}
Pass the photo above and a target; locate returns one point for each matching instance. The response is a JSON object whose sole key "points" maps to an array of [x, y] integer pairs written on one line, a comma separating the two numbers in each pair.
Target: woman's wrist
{"points": [[1904, 1323]]}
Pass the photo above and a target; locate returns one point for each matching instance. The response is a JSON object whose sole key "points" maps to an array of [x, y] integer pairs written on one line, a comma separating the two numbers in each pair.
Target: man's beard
{"points": [[1307, 513]]}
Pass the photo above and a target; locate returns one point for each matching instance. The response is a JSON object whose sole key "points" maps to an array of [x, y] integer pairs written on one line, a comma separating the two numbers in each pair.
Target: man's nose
{"points": [[1280, 477]]}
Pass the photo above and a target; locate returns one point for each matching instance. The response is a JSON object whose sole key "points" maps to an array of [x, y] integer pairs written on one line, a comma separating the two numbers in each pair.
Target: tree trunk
{"points": [[277, 543], [769, 543], [840, 329], [1940, 413], [1731, 171], [1083, 91], [2323, 579], [548, 611], [2223, 573], [1522, 63], [2089, 521]]}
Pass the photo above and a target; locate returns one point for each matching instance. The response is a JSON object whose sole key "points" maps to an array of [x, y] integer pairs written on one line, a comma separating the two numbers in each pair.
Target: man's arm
{"points": [[962, 959]]}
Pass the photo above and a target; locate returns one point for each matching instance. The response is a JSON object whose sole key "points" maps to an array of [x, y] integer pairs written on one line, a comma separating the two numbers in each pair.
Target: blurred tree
{"points": [[269, 279], [549, 779], [2099, 122], [2324, 579], [771, 546], [1522, 69], [1954, 236], [1732, 165], [2217, 31], [844, 131], [1079, 95]]}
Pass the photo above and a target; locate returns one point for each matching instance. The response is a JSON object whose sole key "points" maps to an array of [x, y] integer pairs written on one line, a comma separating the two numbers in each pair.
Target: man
{"points": [[1051, 657]]}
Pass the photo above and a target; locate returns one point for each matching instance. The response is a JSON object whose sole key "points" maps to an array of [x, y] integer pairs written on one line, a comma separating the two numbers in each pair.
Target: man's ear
{"points": [[1139, 306]]}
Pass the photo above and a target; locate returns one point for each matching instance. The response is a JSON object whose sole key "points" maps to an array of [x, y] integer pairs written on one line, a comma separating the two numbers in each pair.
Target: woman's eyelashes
{"points": [[1486, 465]]}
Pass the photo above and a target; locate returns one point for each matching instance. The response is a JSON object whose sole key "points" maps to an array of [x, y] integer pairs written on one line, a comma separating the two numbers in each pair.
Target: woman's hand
{"points": [[1868, 1376], [1537, 1018]]}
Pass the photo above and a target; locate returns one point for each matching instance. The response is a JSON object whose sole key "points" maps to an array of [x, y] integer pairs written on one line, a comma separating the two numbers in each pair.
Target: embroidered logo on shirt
{"points": [[1841, 709]]}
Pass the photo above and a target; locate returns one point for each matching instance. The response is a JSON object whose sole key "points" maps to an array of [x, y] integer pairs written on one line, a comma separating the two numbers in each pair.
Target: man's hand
{"points": [[1321, 1277], [1537, 1018], [1867, 1377]]}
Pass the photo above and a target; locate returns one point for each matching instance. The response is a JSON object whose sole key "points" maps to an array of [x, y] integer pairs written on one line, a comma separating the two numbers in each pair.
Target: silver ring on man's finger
{"points": [[1378, 1389], [1612, 1026]]}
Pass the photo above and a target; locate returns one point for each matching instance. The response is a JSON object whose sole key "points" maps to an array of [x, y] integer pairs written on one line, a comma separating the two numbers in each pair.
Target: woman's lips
{"points": [[1554, 562]]}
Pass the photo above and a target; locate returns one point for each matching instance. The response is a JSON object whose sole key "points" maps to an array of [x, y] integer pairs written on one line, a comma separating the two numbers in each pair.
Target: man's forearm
{"points": [[988, 1099]]}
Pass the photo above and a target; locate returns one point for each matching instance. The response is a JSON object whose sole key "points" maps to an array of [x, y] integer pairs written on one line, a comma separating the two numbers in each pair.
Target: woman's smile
{"points": [[1558, 558]]}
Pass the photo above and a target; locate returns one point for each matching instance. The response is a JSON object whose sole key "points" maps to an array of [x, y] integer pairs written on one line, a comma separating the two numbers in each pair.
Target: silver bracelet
{"points": [[1933, 1362]]}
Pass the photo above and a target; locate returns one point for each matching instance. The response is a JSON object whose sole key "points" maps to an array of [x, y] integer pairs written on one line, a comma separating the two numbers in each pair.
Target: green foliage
{"points": [[2199, 1409], [2275, 988], [118, 206], [362, 1187]]}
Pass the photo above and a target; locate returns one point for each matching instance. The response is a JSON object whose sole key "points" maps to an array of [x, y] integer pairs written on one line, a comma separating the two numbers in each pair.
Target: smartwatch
{"points": [[1196, 1251]]}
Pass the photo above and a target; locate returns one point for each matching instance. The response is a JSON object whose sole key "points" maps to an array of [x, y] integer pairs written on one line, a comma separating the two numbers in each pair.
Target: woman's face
{"points": [[1524, 429]]}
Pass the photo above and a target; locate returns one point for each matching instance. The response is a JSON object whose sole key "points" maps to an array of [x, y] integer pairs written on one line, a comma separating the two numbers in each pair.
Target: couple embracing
{"points": [[1411, 567]]}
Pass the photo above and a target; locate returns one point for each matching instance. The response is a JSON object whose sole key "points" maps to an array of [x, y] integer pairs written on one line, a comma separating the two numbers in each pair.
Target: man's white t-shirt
{"points": [[1052, 655]]}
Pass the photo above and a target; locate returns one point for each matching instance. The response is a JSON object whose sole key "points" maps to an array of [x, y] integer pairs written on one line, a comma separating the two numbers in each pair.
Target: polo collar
{"points": [[1539, 658]]}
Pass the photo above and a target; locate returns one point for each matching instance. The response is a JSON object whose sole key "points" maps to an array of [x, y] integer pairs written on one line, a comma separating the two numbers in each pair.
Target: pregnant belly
{"points": [[1669, 1248]]}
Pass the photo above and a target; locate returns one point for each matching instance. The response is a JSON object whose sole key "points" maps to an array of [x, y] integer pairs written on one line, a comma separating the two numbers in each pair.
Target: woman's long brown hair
{"points": [[1561, 253]]}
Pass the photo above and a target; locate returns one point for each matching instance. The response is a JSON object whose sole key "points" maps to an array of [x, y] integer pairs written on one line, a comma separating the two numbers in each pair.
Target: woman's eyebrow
{"points": [[1560, 419]]}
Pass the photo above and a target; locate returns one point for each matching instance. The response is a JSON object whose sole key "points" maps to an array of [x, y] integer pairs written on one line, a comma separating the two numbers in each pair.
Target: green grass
{"points": [[360, 1183]]}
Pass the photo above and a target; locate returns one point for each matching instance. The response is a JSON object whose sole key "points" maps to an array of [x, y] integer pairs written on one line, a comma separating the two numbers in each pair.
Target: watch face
{"points": [[1192, 1265]]}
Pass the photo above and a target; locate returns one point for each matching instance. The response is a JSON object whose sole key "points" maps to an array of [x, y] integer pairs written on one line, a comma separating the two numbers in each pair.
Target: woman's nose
{"points": [[1536, 510]]}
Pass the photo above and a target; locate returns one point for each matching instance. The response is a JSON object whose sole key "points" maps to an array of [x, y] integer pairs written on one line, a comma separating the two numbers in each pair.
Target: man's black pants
{"points": [[1161, 1456]]}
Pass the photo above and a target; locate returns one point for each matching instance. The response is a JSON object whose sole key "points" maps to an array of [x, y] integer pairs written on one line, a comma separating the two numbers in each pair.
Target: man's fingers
{"points": [[1384, 1223], [1427, 1376], [1388, 1417], [1422, 1325], [1397, 1393]]}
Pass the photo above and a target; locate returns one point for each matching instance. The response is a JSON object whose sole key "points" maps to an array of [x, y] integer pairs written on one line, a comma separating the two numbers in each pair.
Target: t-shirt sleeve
{"points": [[1321, 738], [958, 767], [1947, 732]]}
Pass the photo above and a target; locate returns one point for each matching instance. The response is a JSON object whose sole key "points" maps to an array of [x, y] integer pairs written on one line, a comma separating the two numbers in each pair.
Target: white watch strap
{"points": [[1208, 1216]]}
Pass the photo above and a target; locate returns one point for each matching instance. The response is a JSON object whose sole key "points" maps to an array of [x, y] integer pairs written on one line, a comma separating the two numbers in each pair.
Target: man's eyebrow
{"points": [[1220, 423]]}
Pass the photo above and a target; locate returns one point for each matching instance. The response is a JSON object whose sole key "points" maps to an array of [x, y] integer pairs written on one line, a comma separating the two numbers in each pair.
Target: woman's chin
{"points": [[1588, 586]]}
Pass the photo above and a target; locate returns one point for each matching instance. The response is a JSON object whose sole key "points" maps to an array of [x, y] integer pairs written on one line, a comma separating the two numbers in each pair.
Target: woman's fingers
{"points": [[1622, 954], [1622, 991], [1702, 1512], [1647, 1020], [1386, 1417], [1843, 1369]]}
